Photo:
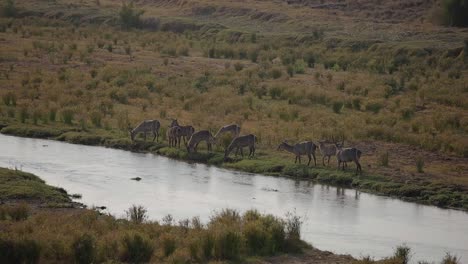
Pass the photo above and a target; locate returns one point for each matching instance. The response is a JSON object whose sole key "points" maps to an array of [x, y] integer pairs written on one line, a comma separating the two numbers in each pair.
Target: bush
{"points": [[276, 73], [255, 238], [137, 249], [207, 245], [337, 106], [383, 158], [420, 164], [67, 116], [227, 244], [9, 9], [129, 17], [374, 107], [450, 259], [168, 244], [238, 66], [23, 114], [137, 214], [84, 249], [23, 251], [9, 99], [19, 212], [402, 253], [275, 92], [454, 12], [96, 118]]}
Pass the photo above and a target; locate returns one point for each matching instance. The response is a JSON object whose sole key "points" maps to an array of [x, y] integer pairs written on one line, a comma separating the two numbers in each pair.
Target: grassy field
{"points": [[393, 85]]}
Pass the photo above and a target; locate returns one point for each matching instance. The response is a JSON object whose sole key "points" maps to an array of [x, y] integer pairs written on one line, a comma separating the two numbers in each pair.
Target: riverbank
{"points": [[424, 190], [66, 233]]}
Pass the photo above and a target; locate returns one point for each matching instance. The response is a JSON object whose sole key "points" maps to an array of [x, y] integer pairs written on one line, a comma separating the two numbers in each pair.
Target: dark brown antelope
{"points": [[233, 129], [241, 142], [304, 148], [173, 136], [344, 155], [147, 126], [185, 131], [199, 136]]}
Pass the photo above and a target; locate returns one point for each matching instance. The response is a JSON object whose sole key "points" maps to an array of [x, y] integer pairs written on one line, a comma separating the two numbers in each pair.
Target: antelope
{"points": [[185, 131], [304, 148], [173, 134], [344, 155], [197, 137], [327, 150], [145, 127], [233, 129], [240, 142]]}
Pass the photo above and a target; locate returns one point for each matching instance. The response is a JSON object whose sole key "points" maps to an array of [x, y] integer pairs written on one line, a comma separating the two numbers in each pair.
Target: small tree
{"points": [[9, 9], [129, 17], [455, 12]]}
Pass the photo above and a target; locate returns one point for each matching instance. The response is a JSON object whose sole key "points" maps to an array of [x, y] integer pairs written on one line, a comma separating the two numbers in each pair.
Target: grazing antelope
{"points": [[241, 142], [233, 129], [147, 126], [197, 137], [327, 150], [304, 148], [344, 155], [185, 131], [173, 135]]}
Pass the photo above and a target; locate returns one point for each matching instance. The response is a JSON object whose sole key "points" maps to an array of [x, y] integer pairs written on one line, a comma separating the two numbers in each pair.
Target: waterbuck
{"points": [[173, 135], [241, 142], [147, 126], [185, 131], [197, 137], [344, 155], [304, 148], [327, 150], [233, 129]]}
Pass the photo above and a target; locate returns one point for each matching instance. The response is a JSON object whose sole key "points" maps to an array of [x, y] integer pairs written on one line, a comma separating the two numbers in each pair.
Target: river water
{"points": [[340, 220]]}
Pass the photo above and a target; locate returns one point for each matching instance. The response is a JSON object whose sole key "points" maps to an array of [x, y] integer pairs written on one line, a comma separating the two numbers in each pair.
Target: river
{"points": [[344, 221]]}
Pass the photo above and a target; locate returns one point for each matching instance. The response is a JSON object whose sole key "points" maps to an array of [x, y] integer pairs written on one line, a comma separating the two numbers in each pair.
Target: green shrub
{"points": [[255, 238], [23, 114], [238, 66], [67, 116], [129, 17], [207, 245], [137, 214], [137, 249], [383, 159], [9, 9], [227, 244], [275, 92], [275, 73], [19, 212], [337, 106], [84, 249], [9, 99], [52, 114], [402, 253], [420, 164], [290, 70], [96, 118], [22, 251], [374, 107], [168, 245], [450, 259], [454, 13]]}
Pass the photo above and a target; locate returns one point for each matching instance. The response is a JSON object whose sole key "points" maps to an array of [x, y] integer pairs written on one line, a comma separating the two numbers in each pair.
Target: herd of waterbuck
{"points": [[176, 133]]}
